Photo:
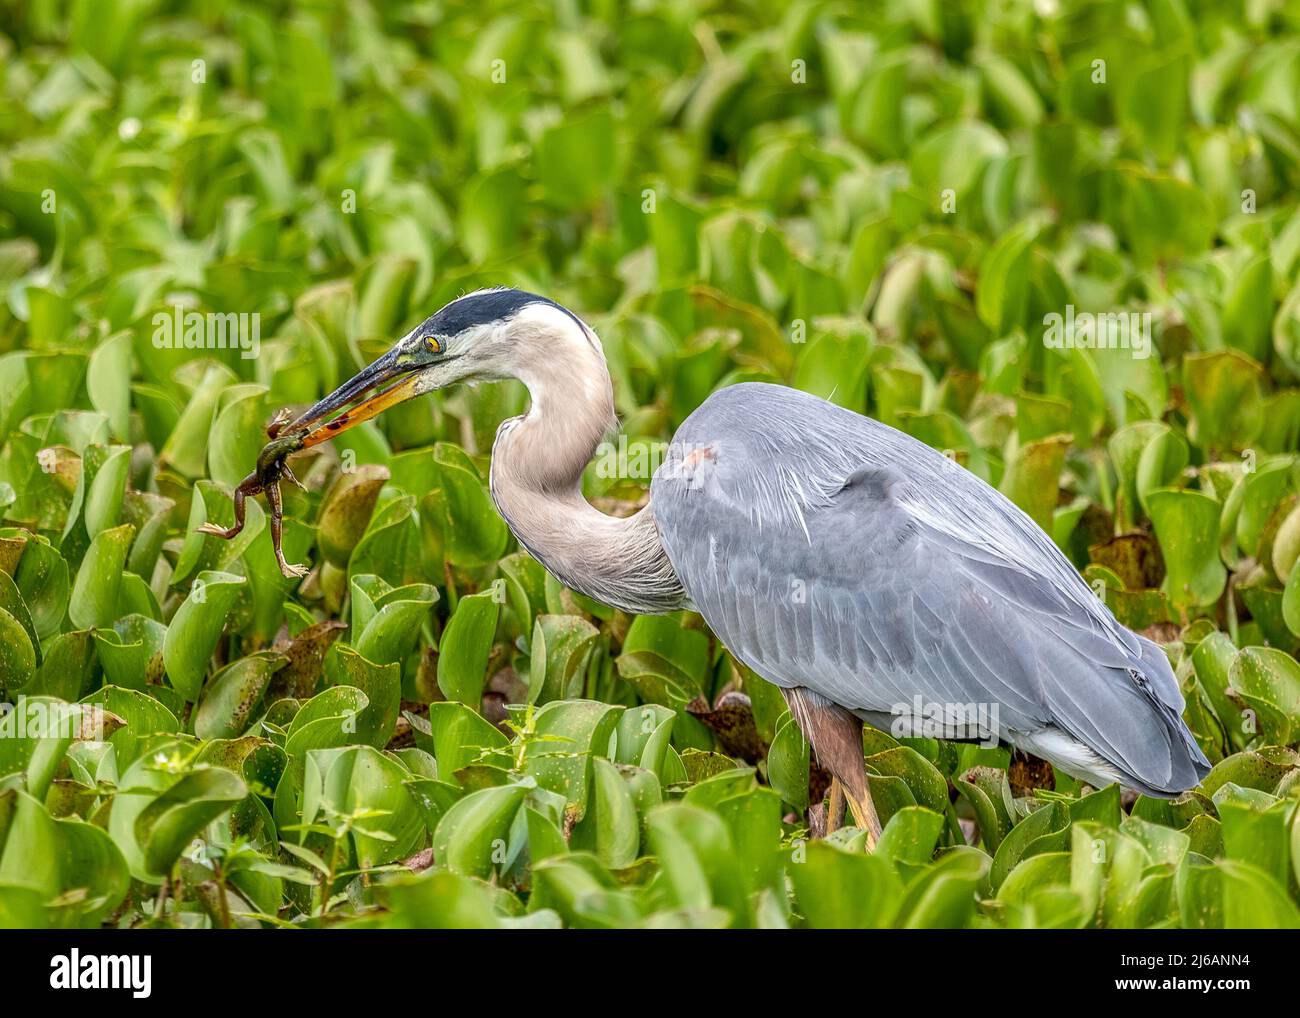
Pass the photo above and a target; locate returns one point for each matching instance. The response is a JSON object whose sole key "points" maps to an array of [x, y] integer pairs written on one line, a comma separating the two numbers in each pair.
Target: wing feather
{"points": [[830, 551]]}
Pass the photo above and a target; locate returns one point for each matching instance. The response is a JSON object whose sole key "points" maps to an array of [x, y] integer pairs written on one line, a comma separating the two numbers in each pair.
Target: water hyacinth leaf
{"points": [[687, 649], [38, 731], [359, 780], [230, 699], [1262, 489], [989, 794], [55, 858], [1185, 524], [573, 160], [1248, 308], [656, 680], [382, 685], [828, 882], [1126, 447], [1223, 394], [1160, 464], [186, 448], [1291, 602], [211, 503], [610, 828], [473, 531], [42, 578], [943, 897], [525, 588], [1252, 899], [696, 854], [1045, 829], [1004, 275], [96, 589], [269, 588], [237, 433], [306, 654], [1259, 837], [130, 652], [390, 633], [1212, 662], [1161, 216], [1268, 681], [17, 654], [346, 511], [329, 719], [465, 646], [643, 737], [1031, 875], [927, 786], [787, 763], [564, 737], [196, 628], [1032, 477], [561, 648], [753, 817], [386, 547], [1286, 544], [151, 825], [103, 496], [457, 736], [470, 838], [144, 716], [150, 514], [167, 824], [11, 601], [68, 667], [438, 900], [821, 369]]}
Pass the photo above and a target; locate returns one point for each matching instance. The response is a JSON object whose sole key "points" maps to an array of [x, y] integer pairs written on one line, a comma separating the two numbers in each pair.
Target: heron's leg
{"points": [[835, 735], [835, 807]]}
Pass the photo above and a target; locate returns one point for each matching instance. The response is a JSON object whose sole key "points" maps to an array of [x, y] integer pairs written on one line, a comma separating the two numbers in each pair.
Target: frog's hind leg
{"points": [[288, 569], [211, 528]]}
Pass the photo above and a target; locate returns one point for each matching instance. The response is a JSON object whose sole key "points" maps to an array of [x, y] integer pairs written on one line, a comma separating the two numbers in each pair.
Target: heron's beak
{"points": [[394, 378]]}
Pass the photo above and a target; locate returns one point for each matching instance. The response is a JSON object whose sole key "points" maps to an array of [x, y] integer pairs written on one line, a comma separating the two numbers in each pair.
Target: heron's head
{"points": [[484, 336]]}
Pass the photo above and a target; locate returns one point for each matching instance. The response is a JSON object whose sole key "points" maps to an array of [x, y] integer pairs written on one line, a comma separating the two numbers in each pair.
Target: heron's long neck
{"points": [[536, 481]]}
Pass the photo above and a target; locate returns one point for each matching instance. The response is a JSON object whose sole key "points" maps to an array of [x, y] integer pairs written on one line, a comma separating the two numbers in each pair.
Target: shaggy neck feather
{"points": [[536, 481]]}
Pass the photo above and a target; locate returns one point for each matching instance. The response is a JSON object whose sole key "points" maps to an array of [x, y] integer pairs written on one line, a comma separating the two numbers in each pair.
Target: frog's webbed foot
{"points": [[223, 532], [290, 570]]}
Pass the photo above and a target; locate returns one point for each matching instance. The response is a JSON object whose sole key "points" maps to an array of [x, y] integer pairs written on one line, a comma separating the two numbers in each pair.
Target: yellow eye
{"points": [[434, 345]]}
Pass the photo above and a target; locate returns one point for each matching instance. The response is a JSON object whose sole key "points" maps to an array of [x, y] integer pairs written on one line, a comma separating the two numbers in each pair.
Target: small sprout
{"points": [[271, 469]]}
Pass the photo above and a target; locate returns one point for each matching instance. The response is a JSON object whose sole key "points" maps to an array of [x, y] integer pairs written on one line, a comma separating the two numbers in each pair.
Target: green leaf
{"points": [[196, 628], [1186, 523], [465, 647], [471, 837], [96, 590]]}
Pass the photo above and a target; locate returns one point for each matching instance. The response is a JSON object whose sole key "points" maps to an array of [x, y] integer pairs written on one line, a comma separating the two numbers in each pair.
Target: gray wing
{"points": [[830, 551]]}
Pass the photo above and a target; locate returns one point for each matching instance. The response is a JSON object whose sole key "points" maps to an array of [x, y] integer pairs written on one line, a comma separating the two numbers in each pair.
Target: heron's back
{"points": [[830, 551]]}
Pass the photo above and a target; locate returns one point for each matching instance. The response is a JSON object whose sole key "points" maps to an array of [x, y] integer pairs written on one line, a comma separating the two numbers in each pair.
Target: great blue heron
{"points": [[865, 574]]}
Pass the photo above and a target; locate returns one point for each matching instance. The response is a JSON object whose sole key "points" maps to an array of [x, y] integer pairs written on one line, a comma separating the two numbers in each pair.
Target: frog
{"points": [[266, 477]]}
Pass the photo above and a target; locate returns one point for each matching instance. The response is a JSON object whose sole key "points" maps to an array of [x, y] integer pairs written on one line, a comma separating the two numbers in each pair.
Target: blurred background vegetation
{"points": [[882, 203]]}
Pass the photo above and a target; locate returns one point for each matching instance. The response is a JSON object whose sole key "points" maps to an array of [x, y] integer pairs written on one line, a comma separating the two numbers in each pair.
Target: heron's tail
{"points": [[1117, 712], [1155, 676]]}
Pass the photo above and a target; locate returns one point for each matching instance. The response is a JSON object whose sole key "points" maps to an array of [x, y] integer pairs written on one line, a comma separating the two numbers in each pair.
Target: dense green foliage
{"points": [[886, 206]]}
